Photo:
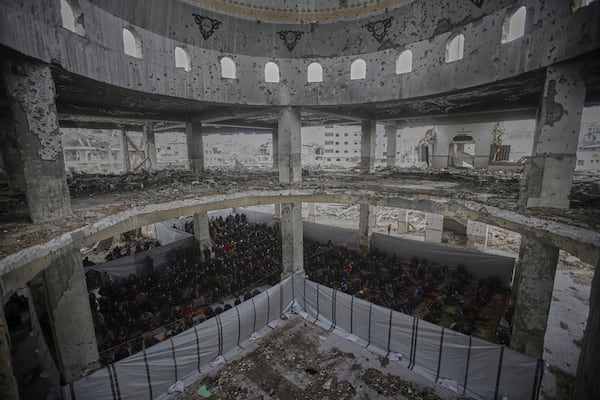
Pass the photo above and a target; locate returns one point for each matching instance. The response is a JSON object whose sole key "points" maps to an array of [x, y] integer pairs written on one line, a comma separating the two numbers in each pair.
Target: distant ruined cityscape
{"points": [[503, 145]]}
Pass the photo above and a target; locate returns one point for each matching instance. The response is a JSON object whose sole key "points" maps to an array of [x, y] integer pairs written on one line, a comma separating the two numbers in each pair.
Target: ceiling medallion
{"points": [[379, 28], [478, 3], [290, 38], [207, 25]]}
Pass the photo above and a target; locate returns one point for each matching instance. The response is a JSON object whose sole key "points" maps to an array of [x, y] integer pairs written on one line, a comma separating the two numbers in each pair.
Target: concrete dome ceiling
{"points": [[301, 11]]}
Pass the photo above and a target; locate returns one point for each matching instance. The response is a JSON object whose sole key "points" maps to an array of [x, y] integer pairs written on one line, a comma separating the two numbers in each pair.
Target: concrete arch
{"points": [[19, 268]]}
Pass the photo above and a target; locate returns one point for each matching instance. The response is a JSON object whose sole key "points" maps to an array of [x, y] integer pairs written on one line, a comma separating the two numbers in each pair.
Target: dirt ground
{"points": [[298, 361]]}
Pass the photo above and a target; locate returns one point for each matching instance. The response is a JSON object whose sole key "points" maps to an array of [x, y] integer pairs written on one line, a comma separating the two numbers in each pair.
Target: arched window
{"points": [[358, 69], [132, 44], [228, 68], [182, 59], [271, 72], [72, 18], [315, 72], [455, 47], [514, 25], [404, 62]]}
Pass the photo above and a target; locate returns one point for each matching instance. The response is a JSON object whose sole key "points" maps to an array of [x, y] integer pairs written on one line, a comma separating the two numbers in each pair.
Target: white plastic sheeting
{"points": [[150, 373], [323, 233], [136, 263], [472, 366], [478, 264], [165, 233]]}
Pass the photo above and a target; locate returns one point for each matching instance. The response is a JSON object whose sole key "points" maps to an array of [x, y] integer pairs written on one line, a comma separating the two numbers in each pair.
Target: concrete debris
{"points": [[293, 363], [97, 196]]}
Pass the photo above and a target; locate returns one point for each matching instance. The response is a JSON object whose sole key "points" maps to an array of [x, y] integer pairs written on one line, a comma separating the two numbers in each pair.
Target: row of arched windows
{"points": [[512, 28]]}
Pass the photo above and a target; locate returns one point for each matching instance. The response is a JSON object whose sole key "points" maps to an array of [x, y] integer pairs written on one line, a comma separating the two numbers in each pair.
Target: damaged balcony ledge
{"points": [[28, 248]]}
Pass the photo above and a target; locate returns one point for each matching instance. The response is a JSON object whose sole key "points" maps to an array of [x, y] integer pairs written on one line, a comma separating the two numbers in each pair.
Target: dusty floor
{"points": [[298, 360]]}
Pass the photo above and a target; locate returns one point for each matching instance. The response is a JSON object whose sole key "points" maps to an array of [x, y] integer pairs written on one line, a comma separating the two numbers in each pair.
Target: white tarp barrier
{"points": [[478, 264], [148, 374], [165, 232], [136, 263], [323, 233], [472, 366]]}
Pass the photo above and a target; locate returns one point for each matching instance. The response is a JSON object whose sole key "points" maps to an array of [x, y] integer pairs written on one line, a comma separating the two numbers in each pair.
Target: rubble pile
{"points": [[170, 180], [585, 192], [299, 361]]}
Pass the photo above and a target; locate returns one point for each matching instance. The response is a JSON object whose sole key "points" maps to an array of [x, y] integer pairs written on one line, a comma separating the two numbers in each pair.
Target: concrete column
{"points": [[275, 151], [535, 283], [10, 157], [402, 221], [30, 88], [289, 142], [587, 384], [291, 239], [367, 146], [390, 131], [312, 212], [477, 235], [150, 140], [8, 383], [548, 174], [434, 226], [70, 316], [202, 232], [277, 218], [195, 146], [125, 149], [365, 227]]}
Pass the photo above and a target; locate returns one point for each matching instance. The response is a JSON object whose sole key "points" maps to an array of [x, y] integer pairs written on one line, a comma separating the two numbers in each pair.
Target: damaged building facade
{"points": [[453, 68]]}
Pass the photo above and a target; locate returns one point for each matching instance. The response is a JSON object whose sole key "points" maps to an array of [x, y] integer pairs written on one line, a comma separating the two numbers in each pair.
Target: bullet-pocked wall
{"points": [[552, 32]]}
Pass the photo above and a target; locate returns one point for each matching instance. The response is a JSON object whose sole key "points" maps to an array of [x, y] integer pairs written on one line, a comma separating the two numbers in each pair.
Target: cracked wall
{"points": [[251, 45], [31, 90]]}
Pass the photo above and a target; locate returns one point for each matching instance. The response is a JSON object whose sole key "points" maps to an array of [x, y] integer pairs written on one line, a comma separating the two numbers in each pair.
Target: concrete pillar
{"points": [[150, 140], [8, 383], [195, 146], [367, 146], [434, 226], [125, 148], [390, 131], [275, 151], [366, 221], [548, 174], [277, 217], [402, 221], [537, 269], [587, 384], [70, 316], [477, 235], [30, 88], [291, 239], [312, 212], [10, 156], [290, 150], [202, 232]]}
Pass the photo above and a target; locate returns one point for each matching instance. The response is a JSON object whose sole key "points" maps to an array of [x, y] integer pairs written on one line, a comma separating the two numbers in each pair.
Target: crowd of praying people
{"points": [[127, 313], [447, 297], [179, 295]]}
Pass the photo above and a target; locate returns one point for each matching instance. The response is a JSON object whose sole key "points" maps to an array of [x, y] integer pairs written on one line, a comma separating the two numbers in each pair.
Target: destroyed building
{"points": [[443, 79]]}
